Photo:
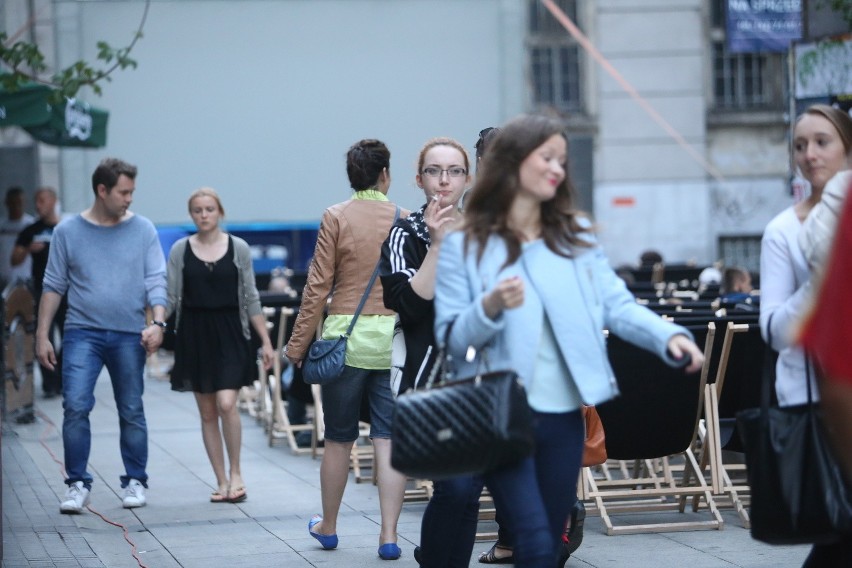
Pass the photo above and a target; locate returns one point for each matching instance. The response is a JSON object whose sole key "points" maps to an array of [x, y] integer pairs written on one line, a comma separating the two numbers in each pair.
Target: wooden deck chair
{"points": [[417, 491], [487, 513], [737, 386], [362, 456], [652, 424], [262, 399], [318, 430], [658, 273], [281, 427], [247, 399]]}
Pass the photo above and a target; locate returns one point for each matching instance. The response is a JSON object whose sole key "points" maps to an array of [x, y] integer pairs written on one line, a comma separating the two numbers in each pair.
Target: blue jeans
{"points": [[84, 354], [341, 402], [535, 495], [448, 529]]}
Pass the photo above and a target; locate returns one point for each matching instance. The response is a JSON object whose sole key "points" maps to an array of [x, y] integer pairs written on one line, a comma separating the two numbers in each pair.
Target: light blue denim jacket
{"points": [[582, 296]]}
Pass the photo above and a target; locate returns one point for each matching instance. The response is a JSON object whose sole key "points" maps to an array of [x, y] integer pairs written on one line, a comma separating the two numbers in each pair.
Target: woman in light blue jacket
{"points": [[525, 283]]}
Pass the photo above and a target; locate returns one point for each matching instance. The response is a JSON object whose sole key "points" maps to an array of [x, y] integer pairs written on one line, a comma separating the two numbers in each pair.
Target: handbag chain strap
{"points": [[369, 286], [442, 362]]}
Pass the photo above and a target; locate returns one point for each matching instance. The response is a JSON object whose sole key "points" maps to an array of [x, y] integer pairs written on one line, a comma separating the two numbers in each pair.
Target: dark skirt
{"points": [[211, 353]]}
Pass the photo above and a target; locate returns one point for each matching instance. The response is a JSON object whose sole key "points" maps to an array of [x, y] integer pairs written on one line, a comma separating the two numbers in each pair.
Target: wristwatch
{"points": [[160, 324]]}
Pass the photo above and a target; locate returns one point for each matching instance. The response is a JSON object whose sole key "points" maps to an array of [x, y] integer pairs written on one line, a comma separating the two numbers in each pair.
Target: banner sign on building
{"points": [[762, 25]]}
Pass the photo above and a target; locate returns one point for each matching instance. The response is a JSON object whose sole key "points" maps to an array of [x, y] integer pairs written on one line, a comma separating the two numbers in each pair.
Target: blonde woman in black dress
{"points": [[212, 289]]}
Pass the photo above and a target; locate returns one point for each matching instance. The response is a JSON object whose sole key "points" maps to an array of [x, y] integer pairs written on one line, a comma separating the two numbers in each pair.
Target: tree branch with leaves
{"points": [[22, 62]]}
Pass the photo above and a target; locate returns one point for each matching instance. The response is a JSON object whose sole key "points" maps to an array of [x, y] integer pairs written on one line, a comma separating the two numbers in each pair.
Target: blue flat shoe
{"points": [[389, 551], [328, 541]]}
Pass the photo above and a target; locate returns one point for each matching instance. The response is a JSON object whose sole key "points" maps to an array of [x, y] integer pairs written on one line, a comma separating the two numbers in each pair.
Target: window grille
{"points": [[743, 81], [554, 59]]}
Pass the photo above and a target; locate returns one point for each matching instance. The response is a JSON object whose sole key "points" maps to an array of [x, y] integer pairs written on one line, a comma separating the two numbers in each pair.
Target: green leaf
{"points": [[26, 63]]}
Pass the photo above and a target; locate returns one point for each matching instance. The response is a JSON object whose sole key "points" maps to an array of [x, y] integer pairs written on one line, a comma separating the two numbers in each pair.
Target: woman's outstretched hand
{"points": [[681, 346]]}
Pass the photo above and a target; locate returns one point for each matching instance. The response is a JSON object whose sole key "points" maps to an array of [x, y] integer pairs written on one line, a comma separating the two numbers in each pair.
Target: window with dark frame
{"points": [[554, 59], [743, 81], [741, 250]]}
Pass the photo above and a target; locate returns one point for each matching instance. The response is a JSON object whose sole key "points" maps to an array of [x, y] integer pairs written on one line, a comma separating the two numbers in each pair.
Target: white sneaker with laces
{"points": [[76, 499], [134, 494]]}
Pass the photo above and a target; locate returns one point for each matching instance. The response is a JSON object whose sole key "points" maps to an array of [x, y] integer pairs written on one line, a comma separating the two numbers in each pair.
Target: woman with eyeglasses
{"points": [[347, 250], [409, 258], [525, 281]]}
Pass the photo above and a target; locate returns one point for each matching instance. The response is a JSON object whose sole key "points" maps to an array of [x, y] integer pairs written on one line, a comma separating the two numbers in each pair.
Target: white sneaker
{"points": [[134, 495], [76, 499]]}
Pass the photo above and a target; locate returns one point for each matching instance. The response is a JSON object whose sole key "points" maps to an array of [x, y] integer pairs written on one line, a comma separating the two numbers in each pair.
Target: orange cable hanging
{"points": [[581, 38]]}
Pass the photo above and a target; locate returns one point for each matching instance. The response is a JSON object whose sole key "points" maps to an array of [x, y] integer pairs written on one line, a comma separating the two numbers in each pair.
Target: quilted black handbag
{"points": [[797, 490], [461, 427]]}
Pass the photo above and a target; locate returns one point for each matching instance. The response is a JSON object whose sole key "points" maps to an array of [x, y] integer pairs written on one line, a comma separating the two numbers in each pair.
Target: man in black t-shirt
{"points": [[34, 240]]}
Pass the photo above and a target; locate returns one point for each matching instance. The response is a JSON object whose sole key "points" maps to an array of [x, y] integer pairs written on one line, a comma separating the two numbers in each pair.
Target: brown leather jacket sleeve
{"points": [[317, 287]]}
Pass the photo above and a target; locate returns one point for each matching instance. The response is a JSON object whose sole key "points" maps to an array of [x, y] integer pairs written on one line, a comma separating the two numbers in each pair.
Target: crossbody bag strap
{"points": [[369, 285], [767, 384], [768, 372], [808, 380]]}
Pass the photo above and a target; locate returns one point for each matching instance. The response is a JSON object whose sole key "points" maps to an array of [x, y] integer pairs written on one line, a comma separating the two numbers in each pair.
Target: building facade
{"points": [[675, 144]]}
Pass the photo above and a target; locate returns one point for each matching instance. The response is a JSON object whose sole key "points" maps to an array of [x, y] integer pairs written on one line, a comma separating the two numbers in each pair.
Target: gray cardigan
{"points": [[249, 299]]}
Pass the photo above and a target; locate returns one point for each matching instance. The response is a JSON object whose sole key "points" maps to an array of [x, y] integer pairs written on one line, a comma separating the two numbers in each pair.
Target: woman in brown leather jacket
{"points": [[347, 250]]}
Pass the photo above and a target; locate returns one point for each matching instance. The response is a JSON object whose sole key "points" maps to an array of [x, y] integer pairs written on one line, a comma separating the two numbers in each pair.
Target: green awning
{"points": [[73, 123], [69, 123], [28, 106]]}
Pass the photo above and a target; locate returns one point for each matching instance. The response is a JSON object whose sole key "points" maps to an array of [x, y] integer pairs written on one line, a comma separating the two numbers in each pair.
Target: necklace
{"points": [[211, 243]]}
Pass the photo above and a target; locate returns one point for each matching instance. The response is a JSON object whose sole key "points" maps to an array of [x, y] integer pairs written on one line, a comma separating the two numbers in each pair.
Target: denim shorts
{"points": [[341, 402]]}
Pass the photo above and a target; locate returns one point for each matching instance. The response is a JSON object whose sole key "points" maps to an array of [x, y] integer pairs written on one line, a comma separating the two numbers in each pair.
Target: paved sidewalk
{"points": [[179, 527]]}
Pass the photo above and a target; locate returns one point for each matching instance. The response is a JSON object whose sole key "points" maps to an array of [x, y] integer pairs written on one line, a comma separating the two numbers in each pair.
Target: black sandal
{"points": [[575, 531], [490, 557], [573, 537]]}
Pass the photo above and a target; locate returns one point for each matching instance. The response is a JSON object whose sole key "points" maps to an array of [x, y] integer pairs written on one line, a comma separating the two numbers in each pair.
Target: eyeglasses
{"points": [[438, 172]]}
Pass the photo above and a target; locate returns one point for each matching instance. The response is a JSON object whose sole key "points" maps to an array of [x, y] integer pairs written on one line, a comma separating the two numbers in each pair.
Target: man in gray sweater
{"points": [[110, 264]]}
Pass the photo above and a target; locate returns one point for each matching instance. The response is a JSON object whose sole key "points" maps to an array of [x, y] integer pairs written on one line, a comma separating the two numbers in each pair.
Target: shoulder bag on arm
{"points": [[326, 357], [461, 427], [798, 494]]}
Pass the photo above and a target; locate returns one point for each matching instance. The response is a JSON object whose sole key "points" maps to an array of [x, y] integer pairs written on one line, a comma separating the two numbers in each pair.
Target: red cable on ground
{"points": [[41, 440]]}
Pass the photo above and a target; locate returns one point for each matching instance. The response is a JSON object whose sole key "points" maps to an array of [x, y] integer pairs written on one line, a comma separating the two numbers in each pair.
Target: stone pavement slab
{"points": [[180, 528]]}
